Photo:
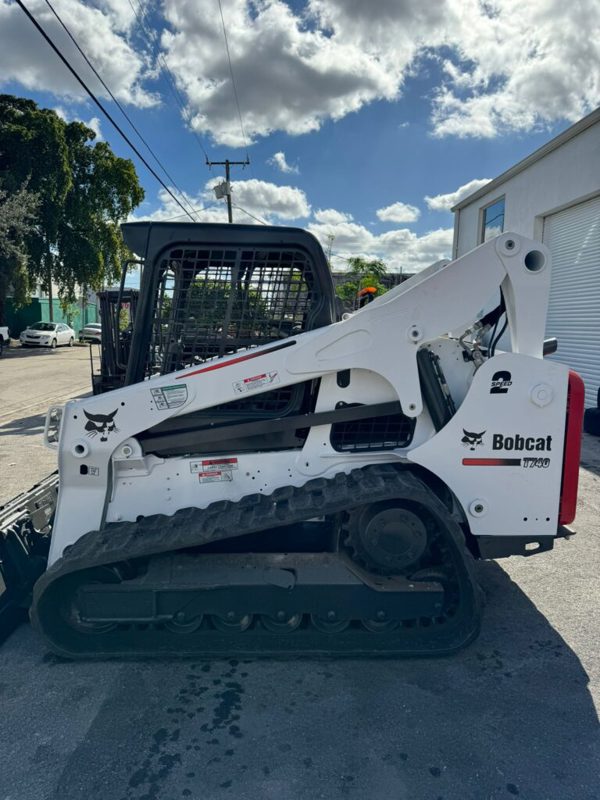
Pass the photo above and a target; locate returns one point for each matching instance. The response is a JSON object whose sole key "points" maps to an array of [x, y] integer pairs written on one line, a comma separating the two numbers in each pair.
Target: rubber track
{"points": [[191, 527]]}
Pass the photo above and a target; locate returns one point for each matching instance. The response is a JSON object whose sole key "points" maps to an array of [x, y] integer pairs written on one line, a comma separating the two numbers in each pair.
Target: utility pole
{"points": [[224, 190], [330, 238]]}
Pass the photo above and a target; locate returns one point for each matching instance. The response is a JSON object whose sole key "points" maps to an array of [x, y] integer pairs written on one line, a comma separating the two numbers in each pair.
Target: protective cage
{"points": [[214, 302], [210, 290]]}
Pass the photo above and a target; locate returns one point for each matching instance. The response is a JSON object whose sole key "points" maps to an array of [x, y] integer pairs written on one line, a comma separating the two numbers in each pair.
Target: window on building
{"points": [[493, 220]]}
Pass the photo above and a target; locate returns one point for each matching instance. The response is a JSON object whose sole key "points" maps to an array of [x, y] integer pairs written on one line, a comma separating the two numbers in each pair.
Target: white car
{"points": [[92, 332], [47, 334]]}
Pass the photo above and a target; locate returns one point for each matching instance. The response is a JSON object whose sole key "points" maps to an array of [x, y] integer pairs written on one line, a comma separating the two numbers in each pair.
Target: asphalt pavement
{"points": [[513, 715]]}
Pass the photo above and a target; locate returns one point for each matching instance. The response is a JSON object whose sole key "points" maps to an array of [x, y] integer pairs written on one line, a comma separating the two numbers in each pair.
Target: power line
{"points": [[172, 84], [235, 94], [258, 219], [101, 107], [196, 210], [115, 101]]}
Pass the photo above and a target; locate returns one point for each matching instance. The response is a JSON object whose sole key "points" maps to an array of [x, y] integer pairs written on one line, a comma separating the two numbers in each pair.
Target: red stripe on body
{"points": [[570, 476], [491, 462], [238, 360]]}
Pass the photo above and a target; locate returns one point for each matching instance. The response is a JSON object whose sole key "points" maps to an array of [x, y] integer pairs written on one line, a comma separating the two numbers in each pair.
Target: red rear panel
{"points": [[570, 476]]}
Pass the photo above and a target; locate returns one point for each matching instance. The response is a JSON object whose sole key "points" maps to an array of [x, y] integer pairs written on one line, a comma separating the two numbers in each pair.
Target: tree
{"points": [[17, 219], [362, 273], [104, 190], [84, 191], [33, 151]]}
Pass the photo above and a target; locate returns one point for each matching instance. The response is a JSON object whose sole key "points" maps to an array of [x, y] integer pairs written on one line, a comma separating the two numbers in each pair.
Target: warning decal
{"points": [[215, 476], [213, 464], [256, 382], [169, 396]]}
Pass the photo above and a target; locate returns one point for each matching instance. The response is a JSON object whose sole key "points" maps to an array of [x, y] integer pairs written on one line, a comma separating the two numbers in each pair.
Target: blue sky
{"points": [[363, 121]]}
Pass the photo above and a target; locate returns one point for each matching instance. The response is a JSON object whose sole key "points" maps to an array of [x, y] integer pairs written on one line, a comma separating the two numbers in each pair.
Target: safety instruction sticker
{"points": [[214, 476], [256, 382], [169, 396], [211, 464], [214, 470]]}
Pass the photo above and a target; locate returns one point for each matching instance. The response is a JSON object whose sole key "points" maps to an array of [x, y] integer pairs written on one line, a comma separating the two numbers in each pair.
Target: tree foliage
{"points": [[84, 191], [362, 273], [210, 305], [17, 219]]}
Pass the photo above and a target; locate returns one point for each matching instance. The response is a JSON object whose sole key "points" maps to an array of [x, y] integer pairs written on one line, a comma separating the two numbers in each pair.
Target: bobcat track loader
{"points": [[270, 480]]}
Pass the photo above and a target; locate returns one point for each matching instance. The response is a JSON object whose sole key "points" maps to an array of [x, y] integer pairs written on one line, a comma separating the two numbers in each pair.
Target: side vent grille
{"points": [[373, 433]]}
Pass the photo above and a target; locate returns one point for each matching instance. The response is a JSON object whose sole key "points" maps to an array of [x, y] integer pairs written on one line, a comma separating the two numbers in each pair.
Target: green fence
{"points": [[38, 310]]}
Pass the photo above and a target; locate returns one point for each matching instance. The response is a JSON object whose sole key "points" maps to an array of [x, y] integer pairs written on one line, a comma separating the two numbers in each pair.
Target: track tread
{"points": [[191, 527]]}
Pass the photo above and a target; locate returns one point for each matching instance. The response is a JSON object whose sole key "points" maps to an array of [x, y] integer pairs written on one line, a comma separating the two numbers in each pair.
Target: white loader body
{"points": [[501, 454]]}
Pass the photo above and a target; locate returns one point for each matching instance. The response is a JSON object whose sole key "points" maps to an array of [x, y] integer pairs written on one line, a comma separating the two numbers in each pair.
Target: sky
{"points": [[364, 120]]}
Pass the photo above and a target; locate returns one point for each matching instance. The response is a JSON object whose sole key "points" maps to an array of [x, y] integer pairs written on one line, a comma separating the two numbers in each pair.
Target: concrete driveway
{"points": [[514, 715], [31, 379]]}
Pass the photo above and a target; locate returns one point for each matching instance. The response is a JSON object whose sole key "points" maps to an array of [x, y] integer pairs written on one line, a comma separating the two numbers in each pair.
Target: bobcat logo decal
{"points": [[472, 440], [102, 424]]}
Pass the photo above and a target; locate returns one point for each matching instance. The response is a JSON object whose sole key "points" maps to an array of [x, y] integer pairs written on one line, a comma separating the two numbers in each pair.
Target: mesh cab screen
{"points": [[211, 302], [373, 433]]}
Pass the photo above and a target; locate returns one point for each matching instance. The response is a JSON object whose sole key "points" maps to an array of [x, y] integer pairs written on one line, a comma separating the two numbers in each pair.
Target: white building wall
{"points": [[564, 177], [567, 175]]}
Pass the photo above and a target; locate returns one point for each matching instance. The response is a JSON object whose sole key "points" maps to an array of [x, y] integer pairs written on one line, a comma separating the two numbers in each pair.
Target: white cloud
{"points": [[94, 124], [330, 216], [508, 65], [68, 116], [268, 200], [122, 14], [290, 75], [399, 212], [169, 210], [25, 58], [505, 64], [444, 202], [278, 160], [264, 201], [62, 113], [401, 249], [518, 65]]}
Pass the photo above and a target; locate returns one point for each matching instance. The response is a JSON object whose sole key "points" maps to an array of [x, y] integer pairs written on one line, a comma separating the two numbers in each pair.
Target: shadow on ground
{"points": [[16, 351], [32, 425], [24, 426], [511, 716]]}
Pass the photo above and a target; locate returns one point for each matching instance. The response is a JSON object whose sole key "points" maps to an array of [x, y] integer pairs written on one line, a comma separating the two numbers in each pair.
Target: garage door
{"points": [[573, 236]]}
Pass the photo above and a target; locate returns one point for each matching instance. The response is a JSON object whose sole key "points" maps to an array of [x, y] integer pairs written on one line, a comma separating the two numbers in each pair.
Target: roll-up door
{"points": [[573, 237]]}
